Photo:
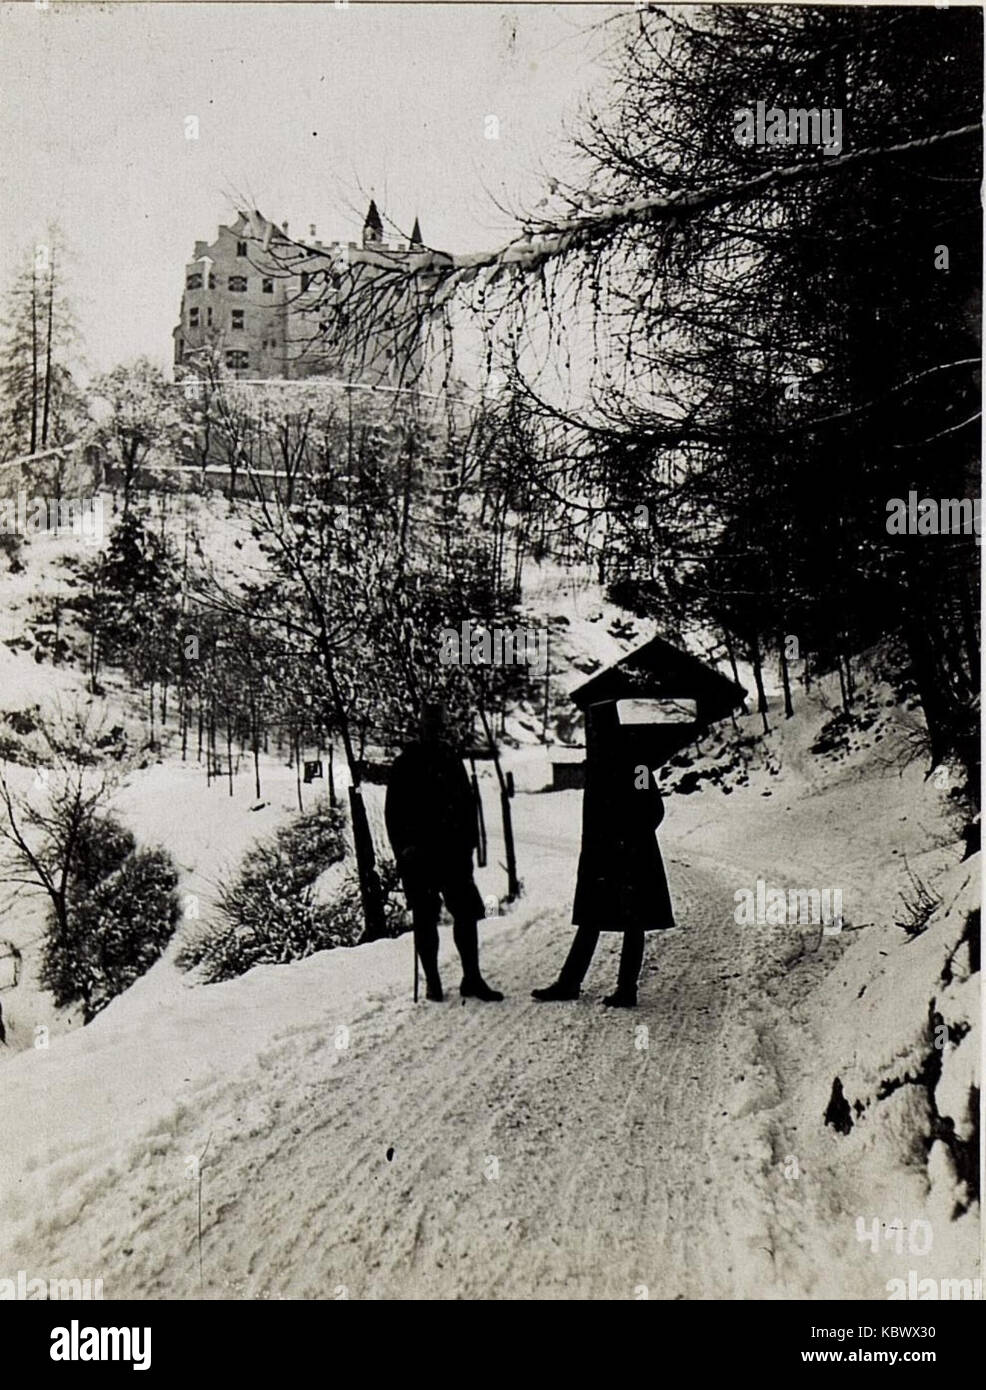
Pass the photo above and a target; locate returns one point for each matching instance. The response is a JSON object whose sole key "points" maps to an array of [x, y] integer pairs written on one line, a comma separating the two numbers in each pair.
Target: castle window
{"points": [[241, 248], [212, 281], [208, 316], [193, 317], [268, 287], [237, 360], [181, 350], [238, 320], [238, 283], [193, 282]]}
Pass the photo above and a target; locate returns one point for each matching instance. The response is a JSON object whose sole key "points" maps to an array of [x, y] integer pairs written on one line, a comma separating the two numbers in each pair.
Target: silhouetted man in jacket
{"points": [[431, 823]]}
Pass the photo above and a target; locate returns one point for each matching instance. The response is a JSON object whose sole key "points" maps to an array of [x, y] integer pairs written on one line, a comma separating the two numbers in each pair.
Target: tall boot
{"points": [[426, 945], [573, 972], [466, 937], [631, 959]]}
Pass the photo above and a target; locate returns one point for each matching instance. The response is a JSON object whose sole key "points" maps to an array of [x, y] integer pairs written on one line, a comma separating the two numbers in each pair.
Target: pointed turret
{"points": [[416, 234], [372, 227]]}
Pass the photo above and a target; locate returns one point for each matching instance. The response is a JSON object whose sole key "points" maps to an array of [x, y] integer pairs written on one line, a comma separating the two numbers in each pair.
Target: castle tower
{"points": [[372, 227]]}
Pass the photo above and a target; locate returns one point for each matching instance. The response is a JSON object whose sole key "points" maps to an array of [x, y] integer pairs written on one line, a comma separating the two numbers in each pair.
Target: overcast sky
{"points": [[299, 107]]}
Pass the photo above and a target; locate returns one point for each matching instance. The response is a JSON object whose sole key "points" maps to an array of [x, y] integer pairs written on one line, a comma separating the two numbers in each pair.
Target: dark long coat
{"points": [[621, 881]]}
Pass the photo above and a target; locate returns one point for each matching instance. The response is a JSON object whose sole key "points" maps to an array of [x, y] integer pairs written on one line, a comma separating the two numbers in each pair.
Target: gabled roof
{"points": [[659, 671]]}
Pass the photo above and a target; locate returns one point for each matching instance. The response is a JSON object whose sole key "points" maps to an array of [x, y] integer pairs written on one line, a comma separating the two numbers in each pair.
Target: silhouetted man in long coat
{"points": [[621, 884], [431, 821]]}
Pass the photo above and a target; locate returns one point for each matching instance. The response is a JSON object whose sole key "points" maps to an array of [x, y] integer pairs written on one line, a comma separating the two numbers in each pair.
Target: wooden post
{"points": [[785, 677], [547, 684]]}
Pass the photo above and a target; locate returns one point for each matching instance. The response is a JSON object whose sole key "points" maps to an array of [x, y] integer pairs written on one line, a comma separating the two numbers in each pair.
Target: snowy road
{"points": [[534, 1150], [357, 1145], [561, 1157]]}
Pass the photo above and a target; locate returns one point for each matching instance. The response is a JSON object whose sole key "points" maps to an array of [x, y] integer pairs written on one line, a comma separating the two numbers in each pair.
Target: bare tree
{"points": [[43, 826]]}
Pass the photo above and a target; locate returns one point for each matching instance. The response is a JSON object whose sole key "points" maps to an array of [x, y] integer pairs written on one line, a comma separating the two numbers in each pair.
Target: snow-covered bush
{"points": [[122, 911], [306, 846], [346, 909], [268, 913]]}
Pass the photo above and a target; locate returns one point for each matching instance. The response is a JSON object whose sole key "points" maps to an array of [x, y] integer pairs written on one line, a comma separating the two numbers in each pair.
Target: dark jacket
{"points": [[621, 881], [429, 808]]}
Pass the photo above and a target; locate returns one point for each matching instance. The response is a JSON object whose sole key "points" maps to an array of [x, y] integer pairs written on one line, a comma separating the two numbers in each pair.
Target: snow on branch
{"points": [[532, 249]]}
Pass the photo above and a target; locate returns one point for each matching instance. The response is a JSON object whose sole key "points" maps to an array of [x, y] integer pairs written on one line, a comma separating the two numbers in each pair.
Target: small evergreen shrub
{"points": [[122, 910], [268, 913], [346, 908]]}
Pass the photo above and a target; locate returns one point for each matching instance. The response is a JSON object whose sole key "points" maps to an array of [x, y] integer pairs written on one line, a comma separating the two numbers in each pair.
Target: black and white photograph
{"points": [[490, 623]]}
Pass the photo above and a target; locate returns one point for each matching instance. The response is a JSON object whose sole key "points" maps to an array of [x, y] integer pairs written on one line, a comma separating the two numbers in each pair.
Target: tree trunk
{"points": [[369, 879], [513, 882], [210, 749], [47, 386], [255, 742], [758, 678], [969, 634], [842, 683], [731, 653], [34, 359]]}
